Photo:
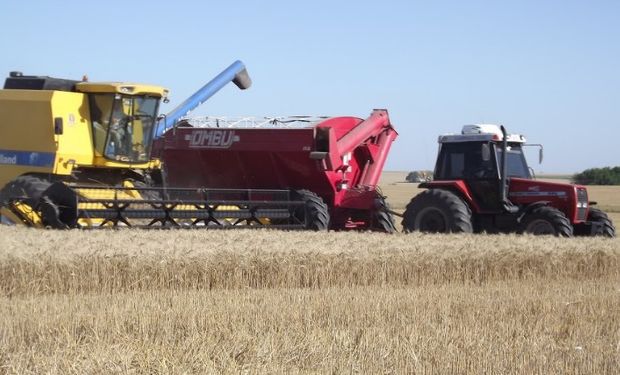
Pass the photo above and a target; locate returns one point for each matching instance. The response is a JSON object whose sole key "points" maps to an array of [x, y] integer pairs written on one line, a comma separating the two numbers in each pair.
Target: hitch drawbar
{"points": [[64, 206]]}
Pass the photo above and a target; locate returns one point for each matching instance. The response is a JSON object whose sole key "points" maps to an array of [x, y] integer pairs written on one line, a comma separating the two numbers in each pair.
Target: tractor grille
{"points": [[582, 204]]}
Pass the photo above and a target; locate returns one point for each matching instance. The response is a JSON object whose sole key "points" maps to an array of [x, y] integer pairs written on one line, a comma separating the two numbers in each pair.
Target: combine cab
{"points": [[330, 166], [482, 183]]}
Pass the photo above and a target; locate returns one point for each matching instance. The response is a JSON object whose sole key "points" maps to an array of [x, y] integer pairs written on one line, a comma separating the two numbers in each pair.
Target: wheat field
{"points": [[131, 301]]}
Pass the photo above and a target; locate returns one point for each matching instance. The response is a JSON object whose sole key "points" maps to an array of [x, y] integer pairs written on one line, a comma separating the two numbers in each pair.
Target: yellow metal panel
{"points": [[27, 142], [75, 144], [121, 88], [100, 161], [26, 121]]}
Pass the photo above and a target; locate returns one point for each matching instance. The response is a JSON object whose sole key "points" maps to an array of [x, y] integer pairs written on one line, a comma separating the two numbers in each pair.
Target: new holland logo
{"points": [[211, 138], [8, 159]]}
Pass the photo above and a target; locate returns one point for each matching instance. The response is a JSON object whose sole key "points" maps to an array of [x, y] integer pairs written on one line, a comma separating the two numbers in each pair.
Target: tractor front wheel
{"points": [[546, 220], [607, 229], [437, 211]]}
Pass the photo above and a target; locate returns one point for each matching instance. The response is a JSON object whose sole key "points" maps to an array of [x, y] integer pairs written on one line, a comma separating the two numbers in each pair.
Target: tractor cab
{"points": [[475, 157]]}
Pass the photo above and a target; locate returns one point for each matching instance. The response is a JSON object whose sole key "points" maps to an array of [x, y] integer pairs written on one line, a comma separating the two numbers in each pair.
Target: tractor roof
{"points": [[480, 133]]}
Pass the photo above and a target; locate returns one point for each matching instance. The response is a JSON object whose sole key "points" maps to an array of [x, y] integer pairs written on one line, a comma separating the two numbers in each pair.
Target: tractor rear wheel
{"points": [[437, 211], [30, 190], [382, 219], [546, 220], [315, 213], [599, 216]]}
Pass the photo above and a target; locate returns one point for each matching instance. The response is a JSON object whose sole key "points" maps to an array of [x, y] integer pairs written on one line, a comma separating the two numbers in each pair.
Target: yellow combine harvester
{"points": [[78, 154], [56, 134]]}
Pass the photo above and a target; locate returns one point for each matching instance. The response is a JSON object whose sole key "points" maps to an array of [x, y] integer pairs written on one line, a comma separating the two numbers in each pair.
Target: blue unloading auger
{"points": [[236, 73]]}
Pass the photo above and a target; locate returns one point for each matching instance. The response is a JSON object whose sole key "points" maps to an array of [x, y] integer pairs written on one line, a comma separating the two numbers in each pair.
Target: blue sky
{"points": [[547, 69]]}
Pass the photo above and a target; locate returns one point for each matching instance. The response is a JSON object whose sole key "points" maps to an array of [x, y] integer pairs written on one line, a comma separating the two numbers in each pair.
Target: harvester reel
{"points": [[437, 211]]}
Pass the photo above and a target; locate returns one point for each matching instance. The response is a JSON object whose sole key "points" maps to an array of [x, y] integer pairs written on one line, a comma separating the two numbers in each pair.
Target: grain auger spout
{"points": [[235, 73]]}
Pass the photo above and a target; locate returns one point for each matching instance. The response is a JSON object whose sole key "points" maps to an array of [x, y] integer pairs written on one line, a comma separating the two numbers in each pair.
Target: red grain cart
{"points": [[296, 172]]}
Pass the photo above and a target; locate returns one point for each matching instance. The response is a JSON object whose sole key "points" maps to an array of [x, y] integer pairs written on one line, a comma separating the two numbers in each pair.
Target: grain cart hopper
{"points": [[331, 165], [78, 154], [482, 183]]}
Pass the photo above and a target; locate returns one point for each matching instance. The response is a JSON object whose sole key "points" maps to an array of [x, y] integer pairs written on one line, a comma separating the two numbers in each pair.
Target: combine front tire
{"points": [[29, 190], [546, 220], [315, 214], [41, 196], [437, 211], [607, 229]]}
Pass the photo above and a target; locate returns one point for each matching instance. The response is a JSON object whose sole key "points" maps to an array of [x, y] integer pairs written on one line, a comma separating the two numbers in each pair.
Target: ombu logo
{"points": [[212, 138]]}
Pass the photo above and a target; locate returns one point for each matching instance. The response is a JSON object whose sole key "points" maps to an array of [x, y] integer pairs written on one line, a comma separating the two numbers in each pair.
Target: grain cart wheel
{"points": [[599, 216], [315, 213], [382, 219], [546, 220], [437, 211], [43, 197]]}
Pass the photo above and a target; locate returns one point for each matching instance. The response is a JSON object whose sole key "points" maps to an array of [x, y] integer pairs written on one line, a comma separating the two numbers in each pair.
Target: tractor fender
{"points": [[527, 209], [457, 187]]}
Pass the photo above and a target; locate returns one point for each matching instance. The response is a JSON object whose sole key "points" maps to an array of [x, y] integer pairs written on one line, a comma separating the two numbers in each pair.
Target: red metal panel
{"points": [[560, 196]]}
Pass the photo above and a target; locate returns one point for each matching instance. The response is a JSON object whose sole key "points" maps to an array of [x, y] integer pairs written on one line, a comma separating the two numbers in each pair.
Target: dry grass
{"points": [[261, 301]]}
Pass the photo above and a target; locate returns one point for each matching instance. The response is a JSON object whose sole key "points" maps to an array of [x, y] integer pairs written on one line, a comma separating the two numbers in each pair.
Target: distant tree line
{"points": [[598, 176]]}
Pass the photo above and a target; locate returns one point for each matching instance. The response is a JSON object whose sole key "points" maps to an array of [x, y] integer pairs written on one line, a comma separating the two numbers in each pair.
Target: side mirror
{"points": [[486, 152], [540, 155], [540, 150]]}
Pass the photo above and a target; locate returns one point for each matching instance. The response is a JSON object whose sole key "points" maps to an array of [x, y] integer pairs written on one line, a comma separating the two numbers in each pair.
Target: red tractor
{"points": [[482, 183]]}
